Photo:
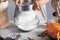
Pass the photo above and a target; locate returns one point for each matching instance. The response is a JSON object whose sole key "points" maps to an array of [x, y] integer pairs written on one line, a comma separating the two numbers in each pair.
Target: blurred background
{"points": [[11, 10]]}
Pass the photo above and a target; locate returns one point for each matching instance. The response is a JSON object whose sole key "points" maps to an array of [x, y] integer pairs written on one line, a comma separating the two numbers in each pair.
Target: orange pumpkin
{"points": [[52, 29]]}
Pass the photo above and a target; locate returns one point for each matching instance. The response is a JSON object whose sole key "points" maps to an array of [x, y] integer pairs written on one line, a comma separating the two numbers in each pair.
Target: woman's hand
{"points": [[38, 3], [18, 2]]}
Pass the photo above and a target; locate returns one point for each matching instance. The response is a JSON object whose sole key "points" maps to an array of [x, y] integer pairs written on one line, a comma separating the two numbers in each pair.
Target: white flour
{"points": [[26, 20]]}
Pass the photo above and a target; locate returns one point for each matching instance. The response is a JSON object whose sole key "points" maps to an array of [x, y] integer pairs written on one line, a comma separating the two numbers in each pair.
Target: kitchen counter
{"points": [[12, 29]]}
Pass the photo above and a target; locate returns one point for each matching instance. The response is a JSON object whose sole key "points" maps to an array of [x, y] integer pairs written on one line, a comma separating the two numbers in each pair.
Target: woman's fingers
{"points": [[18, 2], [36, 5], [21, 2]]}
